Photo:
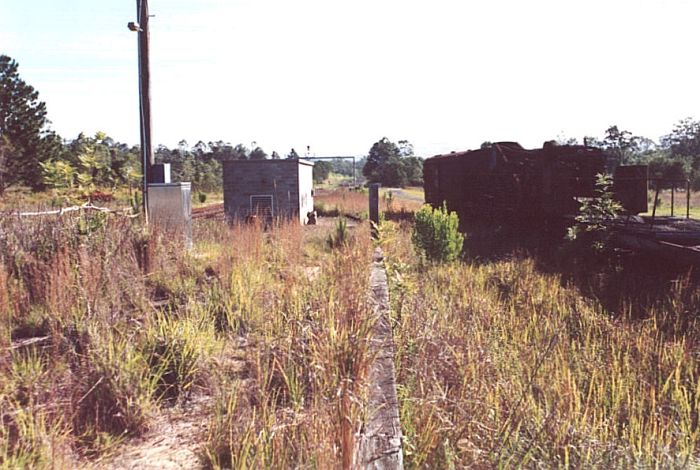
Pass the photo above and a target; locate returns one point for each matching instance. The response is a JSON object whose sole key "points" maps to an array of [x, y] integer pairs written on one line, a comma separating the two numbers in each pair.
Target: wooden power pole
{"points": [[147, 157]]}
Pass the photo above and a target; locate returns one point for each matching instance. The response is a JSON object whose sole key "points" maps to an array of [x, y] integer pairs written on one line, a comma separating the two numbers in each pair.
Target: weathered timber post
{"points": [[147, 157], [380, 444], [374, 208]]}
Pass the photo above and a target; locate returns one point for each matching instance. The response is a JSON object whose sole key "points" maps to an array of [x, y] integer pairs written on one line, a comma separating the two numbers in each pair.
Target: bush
{"points": [[341, 236], [436, 234], [591, 232]]}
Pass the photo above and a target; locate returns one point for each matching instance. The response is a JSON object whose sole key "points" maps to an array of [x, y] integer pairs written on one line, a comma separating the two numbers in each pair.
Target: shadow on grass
{"points": [[626, 284]]}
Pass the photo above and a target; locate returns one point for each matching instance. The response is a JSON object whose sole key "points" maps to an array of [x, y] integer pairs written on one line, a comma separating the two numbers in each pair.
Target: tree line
{"points": [[33, 155], [672, 160]]}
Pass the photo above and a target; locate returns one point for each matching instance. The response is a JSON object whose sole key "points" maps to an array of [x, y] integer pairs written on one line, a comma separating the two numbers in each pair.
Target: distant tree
{"points": [[221, 151], [589, 141], [405, 148], [200, 148], [672, 171], [292, 155], [684, 139], [565, 140], [257, 154], [623, 146], [343, 167], [275, 155], [322, 171], [382, 155], [644, 144], [619, 144], [393, 165], [240, 152], [414, 171], [89, 162], [24, 130]]}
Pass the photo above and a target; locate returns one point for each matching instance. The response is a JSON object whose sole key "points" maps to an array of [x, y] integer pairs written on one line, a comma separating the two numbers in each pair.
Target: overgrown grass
{"points": [[103, 324], [302, 404], [355, 204], [80, 303], [107, 325], [501, 365], [679, 203]]}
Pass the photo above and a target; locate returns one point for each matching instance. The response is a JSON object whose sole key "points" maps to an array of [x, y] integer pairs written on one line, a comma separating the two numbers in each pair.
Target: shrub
{"points": [[436, 234], [340, 237], [591, 231], [202, 197]]}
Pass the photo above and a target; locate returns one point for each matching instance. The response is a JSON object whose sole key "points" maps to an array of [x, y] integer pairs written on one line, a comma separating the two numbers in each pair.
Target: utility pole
{"points": [[147, 158]]}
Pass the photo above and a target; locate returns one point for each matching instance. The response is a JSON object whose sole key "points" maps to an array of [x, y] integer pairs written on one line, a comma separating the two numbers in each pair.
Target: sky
{"points": [[339, 75]]}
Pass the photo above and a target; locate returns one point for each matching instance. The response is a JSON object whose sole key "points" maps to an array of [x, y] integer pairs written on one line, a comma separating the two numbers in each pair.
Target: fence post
{"points": [[673, 197], [374, 208]]}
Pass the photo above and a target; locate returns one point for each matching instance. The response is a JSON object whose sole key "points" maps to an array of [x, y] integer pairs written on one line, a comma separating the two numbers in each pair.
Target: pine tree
{"points": [[24, 131]]}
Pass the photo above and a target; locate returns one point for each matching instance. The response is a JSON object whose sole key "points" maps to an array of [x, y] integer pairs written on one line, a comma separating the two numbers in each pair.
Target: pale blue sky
{"points": [[338, 76]]}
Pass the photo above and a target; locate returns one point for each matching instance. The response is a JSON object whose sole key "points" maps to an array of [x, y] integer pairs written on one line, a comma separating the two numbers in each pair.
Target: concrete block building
{"points": [[269, 188]]}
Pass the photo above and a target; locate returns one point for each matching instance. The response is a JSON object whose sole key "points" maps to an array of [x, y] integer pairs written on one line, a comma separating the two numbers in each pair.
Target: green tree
{"points": [[221, 151], [292, 155], [241, 152], [6, 154], [24, 128], [58, 174], [257, 154], [393, 165], [671, 170], [322, 171], [414, 171], [619, 144], [684, 139]]}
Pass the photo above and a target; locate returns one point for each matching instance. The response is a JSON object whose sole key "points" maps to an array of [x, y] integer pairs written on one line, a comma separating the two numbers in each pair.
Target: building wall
{"points": [[279, 179], [306, 194]]}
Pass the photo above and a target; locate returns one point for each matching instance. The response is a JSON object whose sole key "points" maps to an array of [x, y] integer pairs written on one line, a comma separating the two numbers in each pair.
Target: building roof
{"points": [[269, 161]]}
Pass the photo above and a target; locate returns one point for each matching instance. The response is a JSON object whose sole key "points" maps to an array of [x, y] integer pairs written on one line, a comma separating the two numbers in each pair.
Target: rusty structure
{"points": [[505, 182]]}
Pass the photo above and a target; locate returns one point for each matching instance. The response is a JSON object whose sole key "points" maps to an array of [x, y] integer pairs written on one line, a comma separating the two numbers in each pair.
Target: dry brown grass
{"points": [[355, 203], [135, 323], [302, 403], [500, 365]]}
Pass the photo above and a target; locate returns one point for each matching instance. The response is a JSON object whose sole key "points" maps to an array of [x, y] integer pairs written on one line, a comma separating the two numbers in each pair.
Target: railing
{"points": [[674, 183]]}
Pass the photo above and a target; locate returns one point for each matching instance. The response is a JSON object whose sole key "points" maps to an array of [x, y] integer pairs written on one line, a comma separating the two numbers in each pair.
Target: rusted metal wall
{"points": [[631, 184], [506, 181]]}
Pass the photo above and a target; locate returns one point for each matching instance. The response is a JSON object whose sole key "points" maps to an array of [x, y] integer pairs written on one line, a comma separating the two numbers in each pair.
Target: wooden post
{"points": [[656, 198], [374, 208], [673, 197], [147, 158]]}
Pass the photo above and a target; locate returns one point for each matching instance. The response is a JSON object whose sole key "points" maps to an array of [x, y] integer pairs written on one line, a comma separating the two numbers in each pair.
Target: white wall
{"points": [[306, 185]]}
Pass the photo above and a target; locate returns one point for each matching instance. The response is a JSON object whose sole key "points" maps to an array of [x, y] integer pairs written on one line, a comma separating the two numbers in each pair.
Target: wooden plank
{"points": [[379, 446]]}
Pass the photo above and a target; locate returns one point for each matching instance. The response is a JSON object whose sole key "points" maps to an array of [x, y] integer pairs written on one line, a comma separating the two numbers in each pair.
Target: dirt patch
{"points": [[178, 433], [172, 443]]}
